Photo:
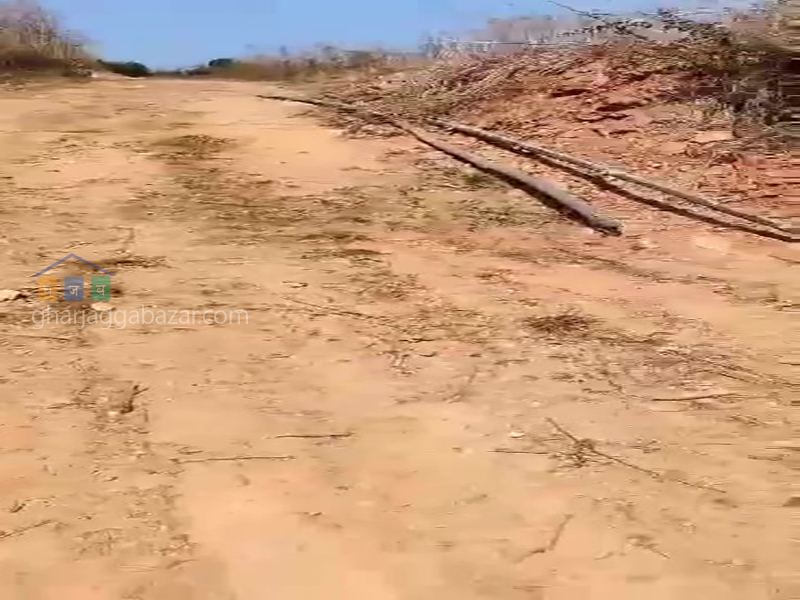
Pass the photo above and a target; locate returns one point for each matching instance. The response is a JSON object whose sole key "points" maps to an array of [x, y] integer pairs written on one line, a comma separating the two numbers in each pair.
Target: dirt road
{"points": [[439, 388]]}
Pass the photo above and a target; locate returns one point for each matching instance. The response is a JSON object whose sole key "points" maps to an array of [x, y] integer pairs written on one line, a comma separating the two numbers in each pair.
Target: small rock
{"points": [[516, 435], [751, 160], [8, 295], [589, 118], [738, 562], [616, 102], [792, 502], [718, 170], [707, 137], [781, 176], [769, 456], [621, 128], [600, 80], [673, 148], [640, 118], [601, 131], [427, 349], [644, 244], [119, 398], [102, 306], [572, 88], [708, 242]]}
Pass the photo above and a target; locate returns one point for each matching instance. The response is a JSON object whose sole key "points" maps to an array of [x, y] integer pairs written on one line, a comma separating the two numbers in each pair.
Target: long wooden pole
{"points": [[595, 170], [550, 194], [602, 171]]}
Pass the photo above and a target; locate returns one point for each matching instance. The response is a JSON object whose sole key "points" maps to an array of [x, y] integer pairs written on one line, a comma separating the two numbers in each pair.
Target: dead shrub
{"points": [[32, 39], [328, 62], [192, 146], [733, 61]]}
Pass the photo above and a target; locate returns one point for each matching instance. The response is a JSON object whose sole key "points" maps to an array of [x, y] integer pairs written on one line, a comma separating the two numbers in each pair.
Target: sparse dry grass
{"points": [[191, 146], [32, 40], [569, 323]]}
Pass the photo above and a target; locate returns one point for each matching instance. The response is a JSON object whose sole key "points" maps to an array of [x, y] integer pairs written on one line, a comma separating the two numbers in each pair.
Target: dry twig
{"points": [[314, 436], [585, 446], [332, 309], [459, 394], [698, 396], [230, 459], [21, 530], [38, 337], [549, 194], [555, 538], [608, 174]]}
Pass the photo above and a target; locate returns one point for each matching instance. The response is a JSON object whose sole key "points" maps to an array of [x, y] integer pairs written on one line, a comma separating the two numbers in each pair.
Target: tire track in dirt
{"points": [[92, 476]]}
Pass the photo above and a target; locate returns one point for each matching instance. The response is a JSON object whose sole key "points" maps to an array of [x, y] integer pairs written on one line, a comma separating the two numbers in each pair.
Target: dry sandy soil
{"points": [[443, 390]]}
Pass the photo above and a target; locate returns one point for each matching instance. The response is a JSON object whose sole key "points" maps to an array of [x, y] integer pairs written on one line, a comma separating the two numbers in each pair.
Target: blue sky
{"points": [[169, 33]]}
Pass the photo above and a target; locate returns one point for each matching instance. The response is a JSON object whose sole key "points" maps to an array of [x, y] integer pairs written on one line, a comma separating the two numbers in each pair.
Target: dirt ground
{"points": [[441, 390]]}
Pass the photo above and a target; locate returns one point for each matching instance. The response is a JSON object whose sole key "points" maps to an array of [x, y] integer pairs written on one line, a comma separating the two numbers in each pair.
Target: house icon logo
{"points": [[74, 287]]}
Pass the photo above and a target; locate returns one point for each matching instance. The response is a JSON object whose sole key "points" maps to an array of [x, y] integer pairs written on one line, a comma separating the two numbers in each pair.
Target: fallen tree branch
{"points": [[359, 110], [619, 26], [552, 195], [37, 337], [547, 192], [601, 171], [584, 446], [690, 212], [315, 436], [510, 451], [333, 309], [183, 461], [21, 530], [554, 539], [698, 396]]}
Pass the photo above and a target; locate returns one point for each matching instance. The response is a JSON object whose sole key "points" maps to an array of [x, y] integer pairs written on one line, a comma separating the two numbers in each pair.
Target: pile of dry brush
{"points": [[739, 70]]}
